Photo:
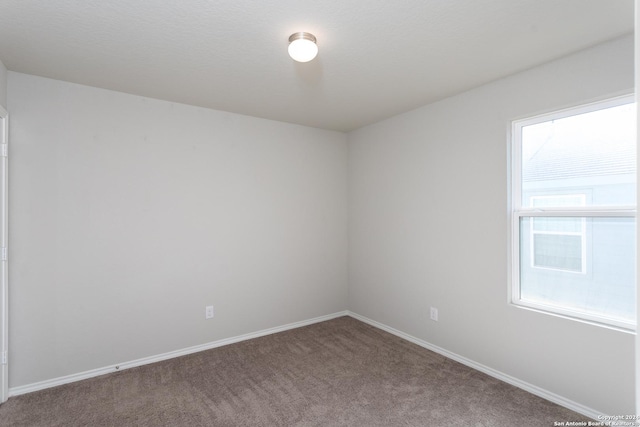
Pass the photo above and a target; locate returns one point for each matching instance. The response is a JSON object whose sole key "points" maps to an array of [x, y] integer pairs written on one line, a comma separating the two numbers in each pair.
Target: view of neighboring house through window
{"points": [[558, 243], [573, 213]]}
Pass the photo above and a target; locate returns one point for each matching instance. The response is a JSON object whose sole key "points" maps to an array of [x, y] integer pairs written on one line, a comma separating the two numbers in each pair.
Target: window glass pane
{"points": [[558, 200], [557, 251], [606, 285], [567, 225], [592, 153]]}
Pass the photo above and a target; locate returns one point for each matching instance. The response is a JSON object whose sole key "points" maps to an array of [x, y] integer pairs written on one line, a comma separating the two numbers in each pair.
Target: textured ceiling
{"points": [[377, 58]]}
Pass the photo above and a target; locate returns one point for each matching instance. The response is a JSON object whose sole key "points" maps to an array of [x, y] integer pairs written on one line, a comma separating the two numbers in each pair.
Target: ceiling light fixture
{"points": [[302, 47]]}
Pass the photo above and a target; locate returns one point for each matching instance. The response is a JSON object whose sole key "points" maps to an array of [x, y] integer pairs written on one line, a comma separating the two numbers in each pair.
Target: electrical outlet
{"points": [[208, 312], [433, 313]]}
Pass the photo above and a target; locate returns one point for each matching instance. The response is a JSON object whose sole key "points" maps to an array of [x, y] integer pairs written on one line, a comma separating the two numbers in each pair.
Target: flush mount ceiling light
{"points": [[302, 47]]}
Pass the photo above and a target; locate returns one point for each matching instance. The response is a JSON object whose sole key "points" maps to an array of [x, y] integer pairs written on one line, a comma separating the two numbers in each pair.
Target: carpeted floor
{"points": [[337, 373]]}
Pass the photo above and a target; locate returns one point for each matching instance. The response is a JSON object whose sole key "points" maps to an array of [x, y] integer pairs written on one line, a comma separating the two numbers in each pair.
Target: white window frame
{"points": [[518, 212]]}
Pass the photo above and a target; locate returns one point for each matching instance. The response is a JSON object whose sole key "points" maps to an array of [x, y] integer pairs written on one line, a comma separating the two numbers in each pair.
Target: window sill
{"points": [[623, 327]]}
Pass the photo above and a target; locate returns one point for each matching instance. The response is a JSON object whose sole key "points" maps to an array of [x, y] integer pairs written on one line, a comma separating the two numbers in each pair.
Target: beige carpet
{"points": [[337, 373]]}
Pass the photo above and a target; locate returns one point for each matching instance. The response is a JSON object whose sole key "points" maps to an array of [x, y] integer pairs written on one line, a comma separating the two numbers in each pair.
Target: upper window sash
{"points": [[516, 149]]}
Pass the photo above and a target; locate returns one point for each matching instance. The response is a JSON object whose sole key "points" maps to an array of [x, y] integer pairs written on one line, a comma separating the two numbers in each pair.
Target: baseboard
{"points": [[540, 392], [15, 391]]}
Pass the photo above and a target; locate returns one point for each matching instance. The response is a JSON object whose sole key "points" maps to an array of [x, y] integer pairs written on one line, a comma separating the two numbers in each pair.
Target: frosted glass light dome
{"points": [[302, 47]]}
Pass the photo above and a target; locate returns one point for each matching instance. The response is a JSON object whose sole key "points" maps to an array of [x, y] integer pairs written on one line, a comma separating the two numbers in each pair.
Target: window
{"points": [[573, 182]]}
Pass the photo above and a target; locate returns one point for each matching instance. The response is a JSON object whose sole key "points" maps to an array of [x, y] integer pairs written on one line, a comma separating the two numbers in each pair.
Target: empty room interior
{"points": [[177, 186]]}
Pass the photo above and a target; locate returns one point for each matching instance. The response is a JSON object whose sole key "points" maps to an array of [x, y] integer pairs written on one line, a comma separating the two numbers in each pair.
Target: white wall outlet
{"points": [[433, 313], [208, 312]]}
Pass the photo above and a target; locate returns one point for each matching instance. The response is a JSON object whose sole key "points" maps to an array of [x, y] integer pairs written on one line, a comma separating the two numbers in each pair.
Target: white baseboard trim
{"points": [[540, 392], [15, 391]]}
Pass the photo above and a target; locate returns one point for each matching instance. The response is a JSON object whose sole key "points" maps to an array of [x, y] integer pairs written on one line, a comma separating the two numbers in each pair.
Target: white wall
{"points": [[429, 227], [128, 215], [3, 85]]}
